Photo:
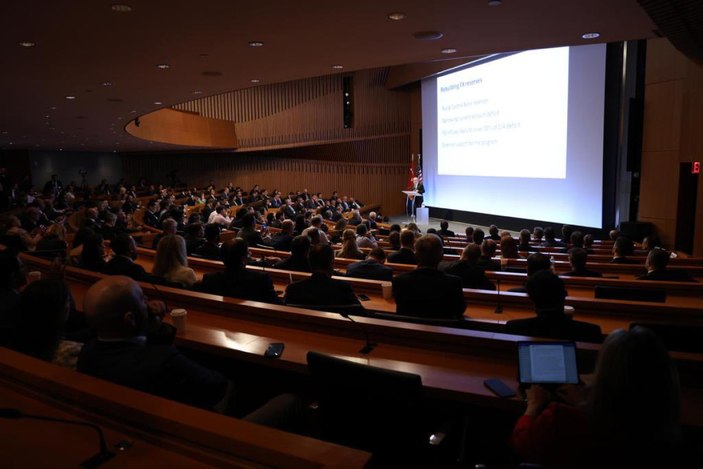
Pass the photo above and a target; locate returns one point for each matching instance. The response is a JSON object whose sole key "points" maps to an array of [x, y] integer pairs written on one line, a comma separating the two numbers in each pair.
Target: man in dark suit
{"points": [[548, 294], [622, 247], [122, 263], [577, 259], [467, 269], [282, 240], [535, 263], [406, 254], [372, 267], [444, 229], [238, 281], [321, 289], [488, 250], [425, 291], [656, 264], [298, 259]]}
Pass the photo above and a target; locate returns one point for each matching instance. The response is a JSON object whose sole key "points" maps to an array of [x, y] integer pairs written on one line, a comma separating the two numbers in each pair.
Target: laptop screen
{"points": [[547, 363]]}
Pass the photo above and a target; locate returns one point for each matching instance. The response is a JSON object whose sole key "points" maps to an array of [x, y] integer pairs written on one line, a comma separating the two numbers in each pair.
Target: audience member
{"points": [[364, 238], [122, 263], [508, 248], [444, 229], [524, 241], [493, 233], [426, 291], [298, 259], [406, 253], [478, 236], [350, 250], [577, 259], [550, 240], [548, 294], [169, 227], [194, 237], [621, 249], [372, 267], [171, 261], [93, 254], [211, 248], [488, 251], [282, 240], [468, 270], [656, 265]]}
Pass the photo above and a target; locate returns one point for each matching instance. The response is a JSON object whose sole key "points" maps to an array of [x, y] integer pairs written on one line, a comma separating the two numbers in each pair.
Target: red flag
{"points": [[412, 171]]}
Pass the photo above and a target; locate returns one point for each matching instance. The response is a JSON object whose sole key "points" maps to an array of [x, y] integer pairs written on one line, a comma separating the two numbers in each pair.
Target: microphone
{"points": [[103, 456], [368, 348], [499, 307]]}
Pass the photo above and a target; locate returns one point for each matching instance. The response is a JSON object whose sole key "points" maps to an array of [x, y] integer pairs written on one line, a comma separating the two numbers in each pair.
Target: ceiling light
{"points": [[133, 111], [494, 3], [163, 66], [448, 50], [337, 67], [593, 35], [255, 44], [158, 103], [70, 97], [197, 92], [255, 80], [107, 83], [121, 8], [53, 108], [26, 44], [428, 35], [396, 16]]}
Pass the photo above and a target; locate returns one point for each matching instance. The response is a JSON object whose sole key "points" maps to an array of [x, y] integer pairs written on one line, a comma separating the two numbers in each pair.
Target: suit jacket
{"points": [[293, 263], [251, 236], [668, 275], [320, 290], [156, 369], [427, 292], [446, 233], [369, 269], [623, 260], [120, 265], [471, 275], [402, 256], [582, 273], [559, 327], [489, 263], [282, 241], [151, 219], [240, 283]]}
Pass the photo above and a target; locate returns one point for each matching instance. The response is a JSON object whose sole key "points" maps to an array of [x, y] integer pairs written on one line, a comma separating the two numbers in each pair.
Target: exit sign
{"points": [[696, 167]]}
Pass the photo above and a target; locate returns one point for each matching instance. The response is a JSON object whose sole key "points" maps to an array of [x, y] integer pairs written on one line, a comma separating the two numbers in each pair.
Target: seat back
{"points": [[368, 407], [630, 293]]}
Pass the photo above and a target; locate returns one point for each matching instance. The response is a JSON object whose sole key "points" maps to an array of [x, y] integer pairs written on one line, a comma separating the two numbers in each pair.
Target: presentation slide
{"points": [[518, 135]]}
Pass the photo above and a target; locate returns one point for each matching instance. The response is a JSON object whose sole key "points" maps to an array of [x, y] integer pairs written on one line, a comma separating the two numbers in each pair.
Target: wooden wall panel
{"points": [[373, 170]]}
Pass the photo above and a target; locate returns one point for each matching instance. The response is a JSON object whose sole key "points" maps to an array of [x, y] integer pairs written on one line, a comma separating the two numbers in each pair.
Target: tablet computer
{"points": [[550, 363]]}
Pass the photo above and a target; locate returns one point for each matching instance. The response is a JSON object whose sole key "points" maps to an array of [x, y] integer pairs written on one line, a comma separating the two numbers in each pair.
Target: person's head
{"points": [[471, 253], [322, 258], [124, 245], [469, 232], [634, 398], [493, 230], [12, 272], [428, 251], [44, 307], [576, 239], [525, 236], [116, 308], [287, 227], [588, 241], [657, 259], [170, 254], [234, 253], [566, 231], [300, 247], [361, 229], [488, 247], [622, 246], [394, 240], [614, 234], [508, 248], [395, 227], [478, 236], [537, 262], [195, 230], [549, 234], [444, 225], [537, 233], [578, 258], [110, 219], [316, 221], [212, 233], [415, 181], [407, 239], [169, 226], [314, 235], [651, 242], [412, 226], [348, 236], [372, 216], [377, 254], [547, 292]]}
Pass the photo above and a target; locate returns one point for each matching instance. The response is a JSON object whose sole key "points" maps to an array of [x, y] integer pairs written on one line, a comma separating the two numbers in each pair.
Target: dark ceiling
{"points": [[82, 45]]}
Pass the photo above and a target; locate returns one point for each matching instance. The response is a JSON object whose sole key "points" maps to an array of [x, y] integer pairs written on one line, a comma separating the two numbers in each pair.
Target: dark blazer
{"points": [[293, 263], [559, 327], [582, 273], [120, 265], [471, 275], [208, 251], [156, 369], [488, 263], [369, 269], [319, 290], [668, 275], [402, 256], [239, 283], [623, 260], [281, 241], [427, 292], [251, 236], [446, 233], [151, 219]]}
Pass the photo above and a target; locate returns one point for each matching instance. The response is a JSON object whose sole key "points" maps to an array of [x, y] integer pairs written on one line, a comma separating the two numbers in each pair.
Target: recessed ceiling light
{"points": [[47, 116], [158, 103], [428, 35], [593, 35], [197, 92], [107, 83], [255, 44], [396, 16], [255, 80], [27, 44], [449, 50], [133, 111], [70, 97], [494, 3], [121, 8], [163, 66], [337, 67], [53, 108]]}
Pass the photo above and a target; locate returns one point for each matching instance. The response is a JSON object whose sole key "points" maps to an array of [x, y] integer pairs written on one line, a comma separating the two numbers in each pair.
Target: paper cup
{"points": [[178, 318], [569, 311], [33, 276], [387, 288]]}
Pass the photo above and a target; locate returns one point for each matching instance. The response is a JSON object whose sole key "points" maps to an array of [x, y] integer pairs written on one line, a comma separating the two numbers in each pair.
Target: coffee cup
{"points": [[178, 318]]}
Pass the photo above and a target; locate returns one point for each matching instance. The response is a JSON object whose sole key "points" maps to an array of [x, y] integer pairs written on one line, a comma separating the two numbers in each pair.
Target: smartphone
{"points": [[362, 297], [274, 350], [499, 388]]}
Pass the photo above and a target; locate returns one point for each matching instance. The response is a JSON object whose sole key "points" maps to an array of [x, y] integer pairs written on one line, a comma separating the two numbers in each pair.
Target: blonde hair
{"points": [[349, 247], [170, 254]]}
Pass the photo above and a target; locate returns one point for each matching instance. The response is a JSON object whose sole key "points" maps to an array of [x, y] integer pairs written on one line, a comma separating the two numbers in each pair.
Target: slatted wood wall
{"points": [[292, 137]]}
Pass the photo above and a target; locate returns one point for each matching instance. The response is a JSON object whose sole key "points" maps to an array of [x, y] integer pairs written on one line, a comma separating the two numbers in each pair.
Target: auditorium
{"points": [[376, 234]]}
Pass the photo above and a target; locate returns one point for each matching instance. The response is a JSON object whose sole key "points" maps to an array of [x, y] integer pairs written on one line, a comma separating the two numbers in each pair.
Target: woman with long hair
{"points": [[350, 250], [171, 261]]}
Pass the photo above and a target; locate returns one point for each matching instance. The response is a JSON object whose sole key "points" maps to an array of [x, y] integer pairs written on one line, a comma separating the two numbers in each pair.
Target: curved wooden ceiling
{"points": [[81, 45]]}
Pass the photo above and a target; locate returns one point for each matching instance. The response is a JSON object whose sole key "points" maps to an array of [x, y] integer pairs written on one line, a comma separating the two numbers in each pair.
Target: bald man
{"points": [[425, 291], [118, 312]]}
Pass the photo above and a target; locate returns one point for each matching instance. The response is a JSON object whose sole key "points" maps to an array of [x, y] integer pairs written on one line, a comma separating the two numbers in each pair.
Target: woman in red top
{"points": [[627, 418]]}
